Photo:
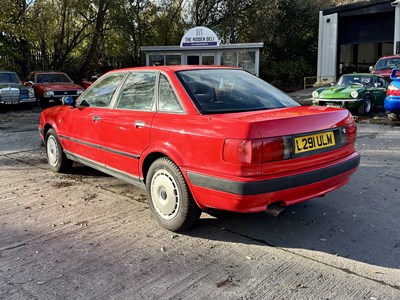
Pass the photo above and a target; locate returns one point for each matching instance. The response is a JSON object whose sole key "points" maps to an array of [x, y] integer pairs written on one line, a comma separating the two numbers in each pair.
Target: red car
{"points": [[50, 87], [385, 65], [200, 137]]}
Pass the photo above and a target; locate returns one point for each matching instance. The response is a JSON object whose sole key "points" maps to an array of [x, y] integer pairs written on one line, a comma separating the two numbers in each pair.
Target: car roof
{"points": [[47, 72], [390, 56], [8, 72], [175, 68]]}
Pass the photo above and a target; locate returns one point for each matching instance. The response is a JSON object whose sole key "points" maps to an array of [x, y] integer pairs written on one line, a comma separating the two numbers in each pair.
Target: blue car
{"points": [[392, 100]]}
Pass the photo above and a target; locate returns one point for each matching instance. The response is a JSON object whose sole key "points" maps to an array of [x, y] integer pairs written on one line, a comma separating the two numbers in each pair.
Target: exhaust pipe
{"points": [[275, 210]]}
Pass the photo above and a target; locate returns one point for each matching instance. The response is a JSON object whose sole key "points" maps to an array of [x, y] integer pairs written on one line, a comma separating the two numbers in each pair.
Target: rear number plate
{"points": [[314, 142]]}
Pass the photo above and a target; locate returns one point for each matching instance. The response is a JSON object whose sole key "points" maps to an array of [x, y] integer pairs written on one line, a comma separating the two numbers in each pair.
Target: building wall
{"points": [[327, 45]]}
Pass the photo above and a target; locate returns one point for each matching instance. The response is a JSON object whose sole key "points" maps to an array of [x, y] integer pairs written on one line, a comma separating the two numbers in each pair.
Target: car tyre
{"points": [[169, 197], [365, 107], [393, 116], [56, 157]]}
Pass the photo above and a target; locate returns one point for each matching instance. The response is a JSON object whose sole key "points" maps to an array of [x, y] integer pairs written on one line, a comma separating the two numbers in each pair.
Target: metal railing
{"points": [[316, 81]]}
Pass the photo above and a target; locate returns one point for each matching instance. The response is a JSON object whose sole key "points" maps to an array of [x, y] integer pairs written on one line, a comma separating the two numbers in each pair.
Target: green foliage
{"points": [[85, 37], [288, 75]]}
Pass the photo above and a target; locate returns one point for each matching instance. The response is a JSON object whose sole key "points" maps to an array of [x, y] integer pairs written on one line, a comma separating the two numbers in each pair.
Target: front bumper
{"points": [[344, 103], [256, 195], [29, 100], [8, 102]]}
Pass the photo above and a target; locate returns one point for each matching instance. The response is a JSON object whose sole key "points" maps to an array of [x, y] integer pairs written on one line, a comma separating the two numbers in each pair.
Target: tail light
{"points": [[257, 151], [393, 91], [350, 133]]}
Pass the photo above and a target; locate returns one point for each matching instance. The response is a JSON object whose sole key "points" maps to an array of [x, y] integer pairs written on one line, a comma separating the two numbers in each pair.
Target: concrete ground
{"points": [[86, 235]]}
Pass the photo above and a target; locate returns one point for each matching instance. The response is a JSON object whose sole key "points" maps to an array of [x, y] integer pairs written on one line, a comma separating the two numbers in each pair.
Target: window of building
{"points": [[172, 59], [156, 60], [247, 60], [229, 58]]}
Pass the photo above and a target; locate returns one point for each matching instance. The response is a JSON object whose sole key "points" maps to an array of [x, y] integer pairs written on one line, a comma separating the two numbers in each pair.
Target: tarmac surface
{"points": [[86, 235]]}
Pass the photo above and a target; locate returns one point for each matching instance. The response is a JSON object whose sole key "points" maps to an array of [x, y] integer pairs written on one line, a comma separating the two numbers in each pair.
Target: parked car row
{"points": [[360, 92], [42, 88]]}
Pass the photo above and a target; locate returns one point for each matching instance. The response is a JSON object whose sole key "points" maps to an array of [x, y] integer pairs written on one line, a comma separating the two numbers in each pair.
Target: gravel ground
{"points": [[86, 235]]}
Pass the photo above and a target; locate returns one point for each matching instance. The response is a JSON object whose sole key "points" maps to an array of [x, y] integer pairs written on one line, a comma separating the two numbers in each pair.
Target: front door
{"points": [[82, 136]]}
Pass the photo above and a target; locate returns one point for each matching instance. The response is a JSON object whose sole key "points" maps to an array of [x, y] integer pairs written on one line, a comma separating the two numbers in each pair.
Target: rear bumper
{"points": [[392, 103], [252, 196]]}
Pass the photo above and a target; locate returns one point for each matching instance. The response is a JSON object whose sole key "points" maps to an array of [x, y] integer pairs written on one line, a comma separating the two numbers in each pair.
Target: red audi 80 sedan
{"points": [[201, 137]]}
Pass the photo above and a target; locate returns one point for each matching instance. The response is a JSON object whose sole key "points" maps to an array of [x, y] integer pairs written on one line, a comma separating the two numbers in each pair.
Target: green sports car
{"points": [[357, 92]]}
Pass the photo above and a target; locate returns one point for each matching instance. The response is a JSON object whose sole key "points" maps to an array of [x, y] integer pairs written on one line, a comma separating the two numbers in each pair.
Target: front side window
{"points": [[382, 82], [168, 102], [229, 90], [138, 91], [101, 93]]}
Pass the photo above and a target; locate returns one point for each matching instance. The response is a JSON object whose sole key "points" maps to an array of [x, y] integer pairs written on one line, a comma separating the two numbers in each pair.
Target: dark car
{"points": [[51, 87], [200, 138], [12, 91], [385, 65]]}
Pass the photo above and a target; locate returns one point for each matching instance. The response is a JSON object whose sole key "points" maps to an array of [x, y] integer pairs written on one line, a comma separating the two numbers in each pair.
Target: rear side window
{"points": [[168, 102], [101, 92], [231, 90]]}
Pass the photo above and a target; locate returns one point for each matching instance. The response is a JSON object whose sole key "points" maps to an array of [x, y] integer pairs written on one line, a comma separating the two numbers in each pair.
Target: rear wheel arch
{"points": [[148, 161], [169, 196]]}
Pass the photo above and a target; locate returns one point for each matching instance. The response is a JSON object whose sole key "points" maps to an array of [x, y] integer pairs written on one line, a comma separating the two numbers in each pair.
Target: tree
{"points": [[14, 36]]}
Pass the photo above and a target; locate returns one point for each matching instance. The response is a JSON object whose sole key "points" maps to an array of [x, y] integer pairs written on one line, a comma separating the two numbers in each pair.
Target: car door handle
{"points": [[96, 118], [139, 124]]}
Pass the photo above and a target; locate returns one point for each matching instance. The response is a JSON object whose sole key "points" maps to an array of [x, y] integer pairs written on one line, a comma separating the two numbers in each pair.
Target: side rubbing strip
{"points": [[100, 147]]}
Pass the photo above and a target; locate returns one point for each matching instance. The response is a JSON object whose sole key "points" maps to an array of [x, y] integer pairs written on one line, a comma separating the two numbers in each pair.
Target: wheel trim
{"points": [[165, 194], [52, 150]]}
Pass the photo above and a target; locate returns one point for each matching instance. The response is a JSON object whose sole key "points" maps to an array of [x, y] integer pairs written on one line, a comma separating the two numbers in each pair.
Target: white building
{"points": [[201, 46], [353, 37]]}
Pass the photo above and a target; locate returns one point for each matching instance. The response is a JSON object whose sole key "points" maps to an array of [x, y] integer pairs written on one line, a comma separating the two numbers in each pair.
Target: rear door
{"points": [[126, 128]]}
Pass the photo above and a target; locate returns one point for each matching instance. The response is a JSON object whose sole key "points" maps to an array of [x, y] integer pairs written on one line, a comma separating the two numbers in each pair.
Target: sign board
{"points": [[199, 37]]}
